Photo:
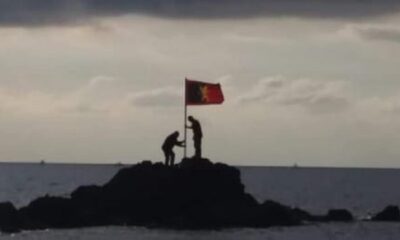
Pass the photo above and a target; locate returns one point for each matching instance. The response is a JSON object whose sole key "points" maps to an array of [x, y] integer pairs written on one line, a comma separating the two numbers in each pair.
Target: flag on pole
{"points": [[202, 93]]}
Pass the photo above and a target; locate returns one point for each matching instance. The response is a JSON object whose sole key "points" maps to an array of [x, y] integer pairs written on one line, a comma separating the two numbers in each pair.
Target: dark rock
{"points": [[339, 215], [271, 213], [10, 219], [390, 213], [195, 163], [303, 215], [89, 202], [87, 194], [333, 215], [51, 212], [197, 194]]}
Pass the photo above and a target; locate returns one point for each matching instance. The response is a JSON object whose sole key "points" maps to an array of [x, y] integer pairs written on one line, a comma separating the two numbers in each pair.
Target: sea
{"points": [[362, 191]]}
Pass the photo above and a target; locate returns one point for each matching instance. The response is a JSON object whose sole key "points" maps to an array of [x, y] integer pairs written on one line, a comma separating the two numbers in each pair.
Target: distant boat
{"points": [[42, 162]]}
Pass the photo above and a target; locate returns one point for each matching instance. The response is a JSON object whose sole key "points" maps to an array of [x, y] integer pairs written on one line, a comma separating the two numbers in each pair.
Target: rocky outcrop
{"points": [[197, 194], [390, 213], [10, 219], [338, 215]]}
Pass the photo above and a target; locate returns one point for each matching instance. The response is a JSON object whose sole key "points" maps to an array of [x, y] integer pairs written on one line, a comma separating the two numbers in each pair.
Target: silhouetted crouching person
{"points": [[168, 145], [197, 135]]}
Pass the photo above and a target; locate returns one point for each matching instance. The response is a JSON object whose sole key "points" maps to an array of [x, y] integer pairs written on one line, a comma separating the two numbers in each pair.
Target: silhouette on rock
{"points": [[196, 194]]}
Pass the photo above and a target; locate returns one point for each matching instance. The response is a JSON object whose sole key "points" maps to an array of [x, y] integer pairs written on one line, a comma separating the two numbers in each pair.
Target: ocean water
{"points": [[363, 191], [354, 231]]}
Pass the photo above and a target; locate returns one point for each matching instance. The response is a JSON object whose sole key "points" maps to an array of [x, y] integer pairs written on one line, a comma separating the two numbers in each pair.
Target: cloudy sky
{"points": [[312, 82]]}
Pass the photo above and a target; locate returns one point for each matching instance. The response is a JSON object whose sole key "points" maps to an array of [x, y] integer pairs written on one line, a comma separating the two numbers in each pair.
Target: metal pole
{"points": [[184, 126]]}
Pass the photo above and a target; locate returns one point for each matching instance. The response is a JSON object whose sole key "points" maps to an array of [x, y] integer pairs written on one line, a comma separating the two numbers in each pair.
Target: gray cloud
{"points": [[375, 33], [163, 97], [53, 12], [321, 104], [316, 96]]}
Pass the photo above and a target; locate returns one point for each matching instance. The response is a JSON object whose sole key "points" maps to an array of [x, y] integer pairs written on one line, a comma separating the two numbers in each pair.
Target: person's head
{"points": [[176, 134], [190, 118]]}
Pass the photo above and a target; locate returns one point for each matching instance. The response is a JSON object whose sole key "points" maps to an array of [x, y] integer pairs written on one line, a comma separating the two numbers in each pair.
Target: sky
{"points": [[306, 82]]}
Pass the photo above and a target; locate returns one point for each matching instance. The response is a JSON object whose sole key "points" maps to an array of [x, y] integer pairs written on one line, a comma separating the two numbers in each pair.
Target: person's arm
{"points": [[180, 143]]}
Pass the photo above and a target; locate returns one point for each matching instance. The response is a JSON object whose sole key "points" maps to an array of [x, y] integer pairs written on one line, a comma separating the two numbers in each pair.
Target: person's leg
{"points": [[172, 158], [166, 154], [197, 147]]}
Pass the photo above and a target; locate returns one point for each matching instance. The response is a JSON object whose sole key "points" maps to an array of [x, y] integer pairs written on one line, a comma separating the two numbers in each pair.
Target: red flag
{"points": [[202, 93]]}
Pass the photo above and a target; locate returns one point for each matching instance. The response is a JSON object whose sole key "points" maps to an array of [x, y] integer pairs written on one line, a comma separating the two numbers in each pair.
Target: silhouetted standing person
{"points": [[197, 135], [168, 145]]}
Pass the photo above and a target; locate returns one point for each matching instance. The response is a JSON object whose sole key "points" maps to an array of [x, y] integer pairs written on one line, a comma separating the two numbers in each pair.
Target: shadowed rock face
{"points": [[390, 213], [10, 219], [197, 194], [342, 215]]}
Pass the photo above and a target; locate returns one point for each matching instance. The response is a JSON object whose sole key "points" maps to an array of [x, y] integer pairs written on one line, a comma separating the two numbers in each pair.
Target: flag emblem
{"points": [[202, 93]]}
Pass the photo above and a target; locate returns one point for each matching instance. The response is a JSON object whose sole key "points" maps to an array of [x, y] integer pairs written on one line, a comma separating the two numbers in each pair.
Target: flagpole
{"points": [[184, 126]]}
